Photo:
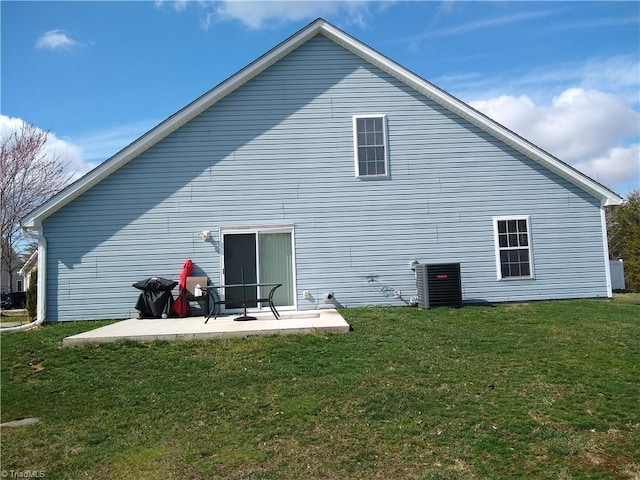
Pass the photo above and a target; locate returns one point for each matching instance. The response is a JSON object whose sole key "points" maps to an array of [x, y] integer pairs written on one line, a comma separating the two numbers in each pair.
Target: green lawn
{"points": [[541, 390], [13, 316]]}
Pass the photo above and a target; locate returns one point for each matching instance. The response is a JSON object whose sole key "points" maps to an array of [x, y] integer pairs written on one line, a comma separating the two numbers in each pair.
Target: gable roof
{"points": [[31, 262], [318, 27]]}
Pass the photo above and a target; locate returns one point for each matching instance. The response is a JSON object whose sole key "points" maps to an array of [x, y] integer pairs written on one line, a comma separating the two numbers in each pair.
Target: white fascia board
{"points": [[606, 196]]}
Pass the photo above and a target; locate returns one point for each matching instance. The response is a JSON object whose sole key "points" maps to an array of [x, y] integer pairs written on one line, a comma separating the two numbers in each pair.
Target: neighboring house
{"points": [[29, 266], [327, 167], [11, 283]]}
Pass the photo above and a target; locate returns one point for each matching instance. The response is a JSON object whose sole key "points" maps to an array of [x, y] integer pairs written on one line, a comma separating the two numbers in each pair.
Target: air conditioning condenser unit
{"points": [[439, 285]]}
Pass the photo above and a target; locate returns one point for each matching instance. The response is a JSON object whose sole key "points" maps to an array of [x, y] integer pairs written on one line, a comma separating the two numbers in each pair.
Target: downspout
{"points": [[605, 245], [41, 292]]}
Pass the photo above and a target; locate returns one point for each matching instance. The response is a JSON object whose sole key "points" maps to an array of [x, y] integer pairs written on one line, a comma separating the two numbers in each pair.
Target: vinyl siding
{"points": [[279, 150]]}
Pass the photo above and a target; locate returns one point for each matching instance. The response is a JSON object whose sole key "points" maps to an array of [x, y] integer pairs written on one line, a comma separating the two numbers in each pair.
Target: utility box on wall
{"points": [[617, 275], [439, 285]]}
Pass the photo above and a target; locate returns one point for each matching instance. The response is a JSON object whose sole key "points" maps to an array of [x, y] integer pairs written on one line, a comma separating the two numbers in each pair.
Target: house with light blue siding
{"points": [[329, 168]]}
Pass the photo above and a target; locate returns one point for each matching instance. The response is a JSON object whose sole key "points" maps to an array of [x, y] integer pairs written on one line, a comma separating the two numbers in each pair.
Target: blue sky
{"points": [[565, 75]]}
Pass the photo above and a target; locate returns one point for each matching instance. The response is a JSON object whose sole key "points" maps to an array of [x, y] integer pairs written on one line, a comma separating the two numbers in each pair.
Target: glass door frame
{"points": [[257, 230]]}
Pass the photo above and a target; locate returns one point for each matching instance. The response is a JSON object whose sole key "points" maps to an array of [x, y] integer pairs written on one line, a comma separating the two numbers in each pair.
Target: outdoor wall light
{"points": [[413, 264], [205, 235]]}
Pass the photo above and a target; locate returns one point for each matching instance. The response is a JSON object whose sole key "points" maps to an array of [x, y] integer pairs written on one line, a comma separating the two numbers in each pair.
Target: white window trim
{"points": [[386, 145], [496, 243]]}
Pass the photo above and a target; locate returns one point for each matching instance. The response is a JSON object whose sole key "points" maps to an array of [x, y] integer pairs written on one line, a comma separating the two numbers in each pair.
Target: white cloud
{"points": [[83, 153], [256, 15], [178, 5], [619, 166], [68, 151], [482, 23], [263, 14], [56, 40], [487, 23], [578, 124], [618, 74], [100, 145], [585, 128], [55, 147]]}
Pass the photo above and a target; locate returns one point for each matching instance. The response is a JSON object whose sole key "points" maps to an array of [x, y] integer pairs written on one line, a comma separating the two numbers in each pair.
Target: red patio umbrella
{"points": [[181, 306]]}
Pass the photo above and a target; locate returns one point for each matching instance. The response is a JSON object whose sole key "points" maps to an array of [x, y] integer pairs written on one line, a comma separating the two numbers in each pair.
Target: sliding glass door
{"points": [[276, 266], [240, 268], [261, 255]]}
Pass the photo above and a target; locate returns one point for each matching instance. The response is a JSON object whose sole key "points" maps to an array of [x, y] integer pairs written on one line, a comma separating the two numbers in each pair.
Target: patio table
{"points": [[212, 291]]}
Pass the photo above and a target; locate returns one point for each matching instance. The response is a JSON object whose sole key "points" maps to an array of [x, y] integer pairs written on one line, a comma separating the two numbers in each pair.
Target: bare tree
{"points": [[28, 177]]}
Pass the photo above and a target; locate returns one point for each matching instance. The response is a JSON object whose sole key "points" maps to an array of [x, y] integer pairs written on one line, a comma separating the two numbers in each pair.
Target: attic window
{"points": [[370, 145], [513, 247]]}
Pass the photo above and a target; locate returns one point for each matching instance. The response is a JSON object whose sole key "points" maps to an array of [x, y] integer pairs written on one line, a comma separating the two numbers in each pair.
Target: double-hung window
{"points": [[370, 145], [513, 247]]}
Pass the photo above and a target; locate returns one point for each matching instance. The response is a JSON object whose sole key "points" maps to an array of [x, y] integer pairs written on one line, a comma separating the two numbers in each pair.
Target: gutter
{"points": [[42, 275]]}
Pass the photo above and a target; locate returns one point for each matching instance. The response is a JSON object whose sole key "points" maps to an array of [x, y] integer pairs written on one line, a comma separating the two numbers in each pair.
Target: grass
{"points": [[535, 391], [627, 297], [14, 316]]}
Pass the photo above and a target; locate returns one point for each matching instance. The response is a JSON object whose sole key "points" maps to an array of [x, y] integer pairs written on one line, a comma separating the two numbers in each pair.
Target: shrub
{"points": [[32, 295]]}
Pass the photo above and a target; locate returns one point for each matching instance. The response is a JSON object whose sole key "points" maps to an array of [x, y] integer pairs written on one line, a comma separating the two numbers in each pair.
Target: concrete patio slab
{"points": [[148, 330]]}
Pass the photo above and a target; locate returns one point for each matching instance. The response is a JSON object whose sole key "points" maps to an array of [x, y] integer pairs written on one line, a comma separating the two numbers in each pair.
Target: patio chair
{"points": [[192, 293]]}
